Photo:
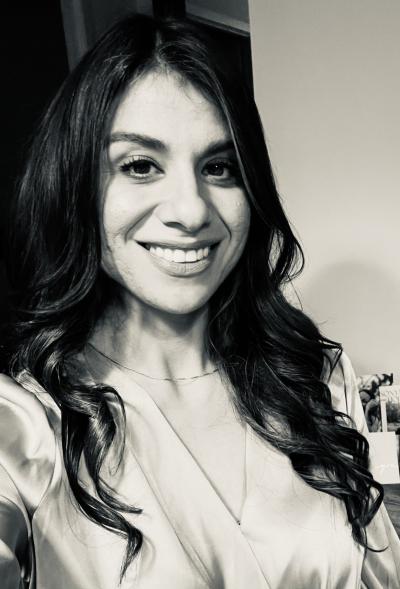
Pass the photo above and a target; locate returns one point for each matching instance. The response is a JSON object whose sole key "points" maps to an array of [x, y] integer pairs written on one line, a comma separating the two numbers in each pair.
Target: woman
{"points": [[169, 421]]}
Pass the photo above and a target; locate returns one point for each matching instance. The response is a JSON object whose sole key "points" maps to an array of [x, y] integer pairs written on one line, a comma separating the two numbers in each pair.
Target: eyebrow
{"points": [[152, 143], [143, 140], [218, 146]]}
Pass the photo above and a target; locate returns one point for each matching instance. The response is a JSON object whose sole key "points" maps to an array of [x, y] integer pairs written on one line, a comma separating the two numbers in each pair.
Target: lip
{"points": [[183, 269], [181, 246]]}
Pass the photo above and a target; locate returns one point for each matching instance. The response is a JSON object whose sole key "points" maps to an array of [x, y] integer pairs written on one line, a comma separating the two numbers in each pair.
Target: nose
{"points": [[183, 206]]}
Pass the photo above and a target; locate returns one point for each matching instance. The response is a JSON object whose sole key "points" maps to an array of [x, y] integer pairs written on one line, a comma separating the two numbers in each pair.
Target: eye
{"points": [[140, 167], [221, 171]]}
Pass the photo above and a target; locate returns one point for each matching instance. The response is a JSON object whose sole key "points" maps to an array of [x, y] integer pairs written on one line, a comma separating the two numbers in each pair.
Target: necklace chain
{"points": [[165, 378], [188, 378]]}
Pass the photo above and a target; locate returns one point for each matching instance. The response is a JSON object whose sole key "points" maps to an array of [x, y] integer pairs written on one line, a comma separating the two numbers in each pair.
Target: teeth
{"points": [[178, 255], [191, 256]]}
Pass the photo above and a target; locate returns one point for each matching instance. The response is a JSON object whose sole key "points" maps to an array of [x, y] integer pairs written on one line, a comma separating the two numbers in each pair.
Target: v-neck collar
{"points": [[206, 528]]}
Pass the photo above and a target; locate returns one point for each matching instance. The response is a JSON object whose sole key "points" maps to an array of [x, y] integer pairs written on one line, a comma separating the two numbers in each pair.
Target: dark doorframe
{"points": [[169, 8]]}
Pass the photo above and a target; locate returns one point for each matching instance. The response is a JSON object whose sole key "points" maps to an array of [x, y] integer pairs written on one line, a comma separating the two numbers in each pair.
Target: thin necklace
{"points": [[239, 517], [182, 378]]}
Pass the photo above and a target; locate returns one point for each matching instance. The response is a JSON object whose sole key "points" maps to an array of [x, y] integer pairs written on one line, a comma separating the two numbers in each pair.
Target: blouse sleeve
{"points": [[27, 452], [381, 570]]}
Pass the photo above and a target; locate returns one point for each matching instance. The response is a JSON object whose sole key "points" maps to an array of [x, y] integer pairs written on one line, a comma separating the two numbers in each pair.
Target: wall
{"points": [[327, 84]]}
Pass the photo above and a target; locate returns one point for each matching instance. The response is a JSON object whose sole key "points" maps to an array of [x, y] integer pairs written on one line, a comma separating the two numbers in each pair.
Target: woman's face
{"points": [[175, 217]]}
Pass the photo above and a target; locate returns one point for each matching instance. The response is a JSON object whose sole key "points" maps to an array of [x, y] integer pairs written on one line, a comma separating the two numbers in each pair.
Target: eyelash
{"points": [[127, 167], [229, 165]]}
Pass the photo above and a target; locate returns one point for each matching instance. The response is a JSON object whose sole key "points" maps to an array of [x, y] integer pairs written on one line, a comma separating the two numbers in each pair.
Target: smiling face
{"points": [[174, 214]]}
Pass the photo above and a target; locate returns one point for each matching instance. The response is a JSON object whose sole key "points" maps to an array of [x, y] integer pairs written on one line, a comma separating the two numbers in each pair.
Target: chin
{"points": [[182, 309], [170, 301]]}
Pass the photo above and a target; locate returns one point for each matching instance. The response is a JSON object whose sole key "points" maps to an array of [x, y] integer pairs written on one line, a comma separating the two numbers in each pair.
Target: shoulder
{"points": [[341, 380], [339, 375], [22, 403], [27, 441]]}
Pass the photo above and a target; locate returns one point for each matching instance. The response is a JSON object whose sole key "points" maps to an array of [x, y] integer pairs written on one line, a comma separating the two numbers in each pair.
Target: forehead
{"points": [[169, 108]]}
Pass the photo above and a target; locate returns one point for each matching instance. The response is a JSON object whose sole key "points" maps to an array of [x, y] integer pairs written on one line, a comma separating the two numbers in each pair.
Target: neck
{"points": [[155, 343]]}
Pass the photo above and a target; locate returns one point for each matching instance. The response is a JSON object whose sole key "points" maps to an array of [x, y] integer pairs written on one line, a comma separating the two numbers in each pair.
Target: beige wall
{"points": [[327, 82]]}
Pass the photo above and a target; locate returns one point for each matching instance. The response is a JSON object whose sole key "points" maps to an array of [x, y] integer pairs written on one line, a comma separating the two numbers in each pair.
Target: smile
{"points": [[179, 261], [180, 256]]}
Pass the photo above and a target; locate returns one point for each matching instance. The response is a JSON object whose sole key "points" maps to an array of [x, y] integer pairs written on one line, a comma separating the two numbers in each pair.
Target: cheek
{"points": [[237, 218], [121, 211]]}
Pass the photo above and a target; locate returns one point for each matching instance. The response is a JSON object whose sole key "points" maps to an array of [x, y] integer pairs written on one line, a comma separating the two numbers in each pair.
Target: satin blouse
{"points": [[290, 536]]}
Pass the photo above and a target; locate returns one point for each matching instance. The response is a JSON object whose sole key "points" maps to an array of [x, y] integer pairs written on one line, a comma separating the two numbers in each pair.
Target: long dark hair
{"points": [[270, 351]]}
